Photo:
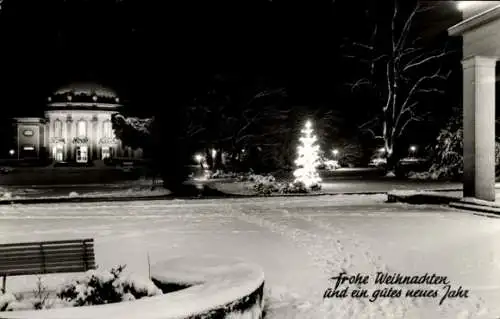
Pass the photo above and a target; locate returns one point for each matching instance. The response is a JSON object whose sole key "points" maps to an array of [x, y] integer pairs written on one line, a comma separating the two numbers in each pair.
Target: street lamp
{"points": [[11, 152], [198, 158], [413, 149], [335, 153]]}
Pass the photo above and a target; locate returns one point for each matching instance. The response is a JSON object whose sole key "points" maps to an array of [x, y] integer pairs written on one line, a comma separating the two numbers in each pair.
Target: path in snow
{"points": [[334, 249], [300, 242]]}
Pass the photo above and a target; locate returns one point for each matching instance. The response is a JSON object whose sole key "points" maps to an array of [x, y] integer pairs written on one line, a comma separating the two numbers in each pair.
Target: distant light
{"points": [[214, 152], [28, 148], [11, 152], [382, 150], [413, 148], [308, 124], [335, 151], [198, 158], [462, 5], [94, 98]]}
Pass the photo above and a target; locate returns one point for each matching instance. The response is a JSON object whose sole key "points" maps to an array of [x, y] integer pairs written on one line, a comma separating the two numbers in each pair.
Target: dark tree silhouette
{"points": [[398, 70], [234, 115]]}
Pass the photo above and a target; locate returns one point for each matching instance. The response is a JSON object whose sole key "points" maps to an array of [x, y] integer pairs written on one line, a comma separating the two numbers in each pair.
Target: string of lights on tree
{"points": [[308, 159]]}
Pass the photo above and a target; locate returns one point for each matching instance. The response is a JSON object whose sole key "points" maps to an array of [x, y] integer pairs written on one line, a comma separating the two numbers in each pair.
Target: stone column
{"points": [[479, 127], [95, 138], [69, 139]]}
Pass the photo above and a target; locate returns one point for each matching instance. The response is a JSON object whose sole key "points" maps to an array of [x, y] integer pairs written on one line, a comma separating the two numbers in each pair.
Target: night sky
{"points": [[157, 52]]}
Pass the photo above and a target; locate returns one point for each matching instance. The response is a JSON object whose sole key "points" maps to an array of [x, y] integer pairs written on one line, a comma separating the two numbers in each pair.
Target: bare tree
{"points": [[399, 69], [234, 117]]}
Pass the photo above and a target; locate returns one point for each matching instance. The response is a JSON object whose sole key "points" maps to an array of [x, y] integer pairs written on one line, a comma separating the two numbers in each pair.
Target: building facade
{"points": [[76, 127], [479, 29]]}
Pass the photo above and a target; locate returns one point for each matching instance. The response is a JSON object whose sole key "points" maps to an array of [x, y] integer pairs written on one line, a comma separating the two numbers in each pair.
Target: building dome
{"points": [[86, 88], [84, 95]]}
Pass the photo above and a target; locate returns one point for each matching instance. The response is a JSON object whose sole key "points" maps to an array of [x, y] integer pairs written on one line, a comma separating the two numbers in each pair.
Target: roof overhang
{"points": [[475, 21], [30, 120], [83, 105]]}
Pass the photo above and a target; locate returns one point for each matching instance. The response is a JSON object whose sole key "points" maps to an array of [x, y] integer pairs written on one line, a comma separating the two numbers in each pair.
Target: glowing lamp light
{"points": [[335, 152], [382, 150], [214, 153], [413, 148], [198, 158], [11, 152]]}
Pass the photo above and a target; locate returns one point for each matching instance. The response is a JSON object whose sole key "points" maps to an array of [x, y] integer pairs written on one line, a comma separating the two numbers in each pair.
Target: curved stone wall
{"points": [[218, 287]]}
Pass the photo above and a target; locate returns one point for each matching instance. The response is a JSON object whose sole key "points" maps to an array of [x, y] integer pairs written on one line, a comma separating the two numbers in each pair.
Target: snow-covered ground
{"points": [[18, 193], [300, 243]]}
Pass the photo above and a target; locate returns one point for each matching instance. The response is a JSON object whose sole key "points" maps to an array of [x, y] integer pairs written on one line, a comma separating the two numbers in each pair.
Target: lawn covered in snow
{"points": [[20, 194], [300, 242]]}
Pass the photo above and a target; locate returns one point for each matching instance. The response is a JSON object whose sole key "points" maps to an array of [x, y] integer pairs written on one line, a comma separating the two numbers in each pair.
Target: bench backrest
{"points": [[47, 257]]}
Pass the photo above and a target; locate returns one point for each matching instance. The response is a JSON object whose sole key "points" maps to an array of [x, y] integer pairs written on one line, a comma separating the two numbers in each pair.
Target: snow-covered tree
{"points": [[308, 159], [399, 69], [447, 161], [133, 131]]}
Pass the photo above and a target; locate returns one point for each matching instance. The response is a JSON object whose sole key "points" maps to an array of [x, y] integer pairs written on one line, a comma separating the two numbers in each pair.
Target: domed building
{"points": [[76, 127]]}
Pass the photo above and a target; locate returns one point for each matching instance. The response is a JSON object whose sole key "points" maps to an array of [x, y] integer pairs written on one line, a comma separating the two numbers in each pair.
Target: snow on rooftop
{"points": [[86, 88]]}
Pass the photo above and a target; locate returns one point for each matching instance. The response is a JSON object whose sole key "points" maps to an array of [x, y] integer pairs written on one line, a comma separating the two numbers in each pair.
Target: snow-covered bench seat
{"points": [[217, 285]]}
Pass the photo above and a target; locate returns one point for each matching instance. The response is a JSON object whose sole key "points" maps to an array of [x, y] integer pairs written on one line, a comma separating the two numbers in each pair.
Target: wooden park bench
{"points": [[63, 256]]}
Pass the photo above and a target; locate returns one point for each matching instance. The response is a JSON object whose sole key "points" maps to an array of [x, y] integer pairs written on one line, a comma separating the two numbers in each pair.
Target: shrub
{"points": [[6, 299], [102, 287], [294, 188], [41, 295], [264, 185], [267, 185], [221, 174], [264, 189], [93, 288], [447, 161]]}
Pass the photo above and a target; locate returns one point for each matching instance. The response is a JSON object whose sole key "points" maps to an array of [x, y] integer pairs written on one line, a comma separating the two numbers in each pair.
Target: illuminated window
{"points": [[57, 152], [105, 152], [28, 133], [81, 154], [57, 128], [107, 129], [82, 128]]}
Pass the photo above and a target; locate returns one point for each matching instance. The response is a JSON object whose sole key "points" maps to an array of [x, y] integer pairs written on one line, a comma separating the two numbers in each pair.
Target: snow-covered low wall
{"points": [[219, 287]]}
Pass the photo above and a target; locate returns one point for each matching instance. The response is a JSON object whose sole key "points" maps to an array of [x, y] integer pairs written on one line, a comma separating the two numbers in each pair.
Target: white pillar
{"points": [[69, 140], [479, 127], [95, 139]]}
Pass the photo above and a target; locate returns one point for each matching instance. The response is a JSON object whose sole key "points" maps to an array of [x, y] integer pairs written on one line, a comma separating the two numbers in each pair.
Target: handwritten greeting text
{"points": [[394, 285]]}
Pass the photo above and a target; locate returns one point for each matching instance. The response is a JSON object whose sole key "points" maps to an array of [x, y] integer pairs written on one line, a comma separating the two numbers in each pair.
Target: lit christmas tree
{"points": [[308, 159]]}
